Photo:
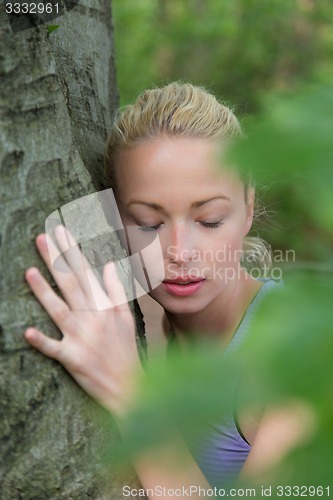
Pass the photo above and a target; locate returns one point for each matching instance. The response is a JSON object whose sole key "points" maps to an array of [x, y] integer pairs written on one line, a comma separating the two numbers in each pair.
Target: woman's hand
{"points": [[98, 347]]}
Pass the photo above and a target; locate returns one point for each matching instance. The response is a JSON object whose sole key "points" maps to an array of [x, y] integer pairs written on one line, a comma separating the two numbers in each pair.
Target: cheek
{"points": [[224, 249]]}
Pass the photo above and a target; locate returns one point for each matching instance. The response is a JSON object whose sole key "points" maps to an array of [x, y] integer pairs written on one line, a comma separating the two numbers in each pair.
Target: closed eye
{"points": [[149, 228], [212, 225]]}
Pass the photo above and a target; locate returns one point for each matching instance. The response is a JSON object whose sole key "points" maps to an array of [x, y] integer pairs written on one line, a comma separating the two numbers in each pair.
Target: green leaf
{"points": [[52, 27]]}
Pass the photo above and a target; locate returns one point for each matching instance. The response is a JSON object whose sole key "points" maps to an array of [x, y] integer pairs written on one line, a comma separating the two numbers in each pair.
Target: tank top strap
{"points": [[243, 327]]}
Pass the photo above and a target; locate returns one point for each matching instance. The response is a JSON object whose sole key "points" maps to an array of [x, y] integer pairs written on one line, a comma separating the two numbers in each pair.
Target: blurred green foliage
{"points": [[289, 147], [290, 348], [289, 352]]}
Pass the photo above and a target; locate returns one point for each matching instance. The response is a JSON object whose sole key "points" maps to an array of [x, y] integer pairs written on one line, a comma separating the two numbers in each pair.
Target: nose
{"points": [[181, 244]]}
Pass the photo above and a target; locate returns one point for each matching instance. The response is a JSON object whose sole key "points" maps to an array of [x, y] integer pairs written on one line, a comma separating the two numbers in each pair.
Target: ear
{"points": [[249, 210]]}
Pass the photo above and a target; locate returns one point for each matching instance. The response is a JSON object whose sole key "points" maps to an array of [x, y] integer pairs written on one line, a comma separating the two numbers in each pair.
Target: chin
{"points": [[179, 305]]}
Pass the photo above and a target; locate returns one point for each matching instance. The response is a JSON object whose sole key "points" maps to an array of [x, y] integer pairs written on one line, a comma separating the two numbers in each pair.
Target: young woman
{"points": [[165, 162]]}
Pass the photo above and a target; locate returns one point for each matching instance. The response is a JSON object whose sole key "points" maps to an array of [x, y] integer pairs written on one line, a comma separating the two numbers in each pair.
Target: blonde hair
{"points": [[177, 109]]}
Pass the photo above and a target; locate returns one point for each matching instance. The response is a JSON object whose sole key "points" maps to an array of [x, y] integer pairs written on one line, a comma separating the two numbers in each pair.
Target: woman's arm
{"points": [[170, 467], [99, 350], [280, 430]]}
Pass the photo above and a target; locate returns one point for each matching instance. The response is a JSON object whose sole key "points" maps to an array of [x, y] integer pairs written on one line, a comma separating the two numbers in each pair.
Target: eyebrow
{"points": [[196, 204]]}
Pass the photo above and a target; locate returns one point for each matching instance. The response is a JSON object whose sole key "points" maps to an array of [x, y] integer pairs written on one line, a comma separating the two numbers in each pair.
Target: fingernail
{"points": [[30, 333], [31, 272], [41, 239]]}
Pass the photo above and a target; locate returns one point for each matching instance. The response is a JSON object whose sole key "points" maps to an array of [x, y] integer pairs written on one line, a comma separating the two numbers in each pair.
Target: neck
{"points": [[220, 318]]}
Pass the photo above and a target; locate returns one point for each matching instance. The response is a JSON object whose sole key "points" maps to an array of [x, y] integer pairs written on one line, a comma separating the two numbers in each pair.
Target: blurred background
{"points": [[240, 50]]}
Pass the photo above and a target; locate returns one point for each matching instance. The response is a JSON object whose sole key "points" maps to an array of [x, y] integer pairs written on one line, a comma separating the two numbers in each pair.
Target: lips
{"points": [[183, 286], [183, 280]]}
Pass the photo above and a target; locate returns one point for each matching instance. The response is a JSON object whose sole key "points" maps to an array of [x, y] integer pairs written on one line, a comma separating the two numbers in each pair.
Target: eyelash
{"points": [[210, 225], [149, 228]]}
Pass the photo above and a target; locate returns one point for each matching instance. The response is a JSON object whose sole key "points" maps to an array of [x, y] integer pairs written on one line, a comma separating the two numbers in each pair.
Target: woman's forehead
{"points": [[173, 161]]}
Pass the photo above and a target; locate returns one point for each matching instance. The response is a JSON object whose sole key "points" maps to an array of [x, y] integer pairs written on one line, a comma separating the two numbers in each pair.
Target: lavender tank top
{"points": [[222, 452]]}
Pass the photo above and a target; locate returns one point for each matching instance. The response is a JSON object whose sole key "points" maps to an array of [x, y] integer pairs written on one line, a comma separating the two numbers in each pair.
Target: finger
{"points": [[90, 285], [42, 343], [113, 285], [72, 253], [57, 309], [65, 278]]}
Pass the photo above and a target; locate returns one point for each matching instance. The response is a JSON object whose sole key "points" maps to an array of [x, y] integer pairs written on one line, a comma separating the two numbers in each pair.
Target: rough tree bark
{"points": [[57, 96]]}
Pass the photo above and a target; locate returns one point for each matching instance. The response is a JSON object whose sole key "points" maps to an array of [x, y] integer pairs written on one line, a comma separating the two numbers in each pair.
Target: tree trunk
{"points": [[57, 96]]}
